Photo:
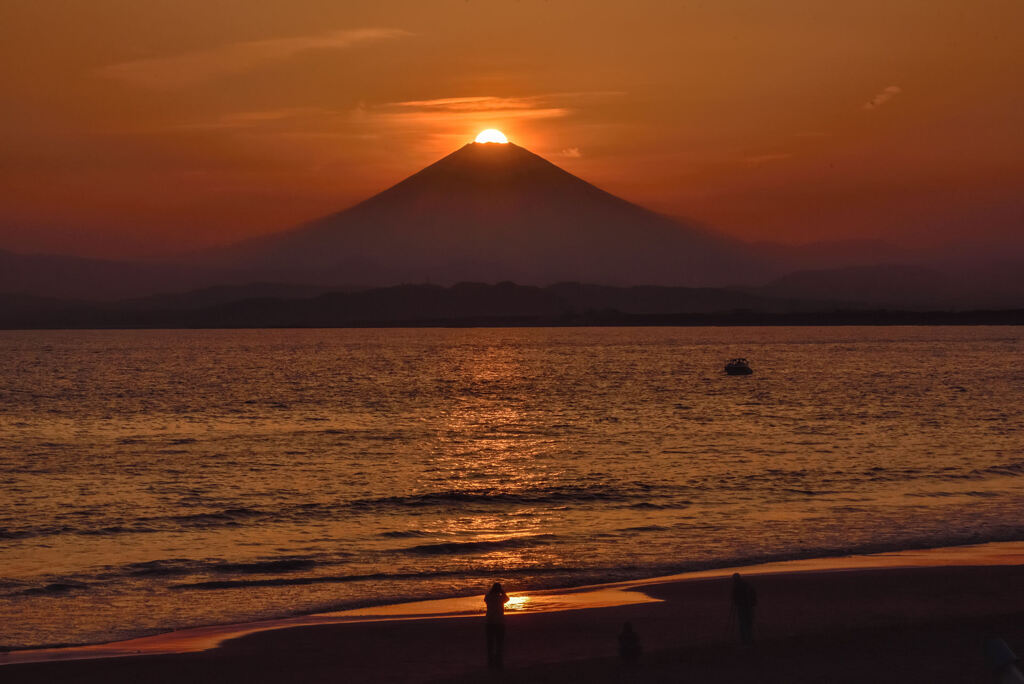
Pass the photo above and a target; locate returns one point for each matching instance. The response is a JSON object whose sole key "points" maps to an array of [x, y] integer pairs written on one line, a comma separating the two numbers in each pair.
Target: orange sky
{"points": [[139, 126]]}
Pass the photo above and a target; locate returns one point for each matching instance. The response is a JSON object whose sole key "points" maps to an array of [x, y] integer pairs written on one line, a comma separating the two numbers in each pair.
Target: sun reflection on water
{"points": [[517, 603], [483, 449]]}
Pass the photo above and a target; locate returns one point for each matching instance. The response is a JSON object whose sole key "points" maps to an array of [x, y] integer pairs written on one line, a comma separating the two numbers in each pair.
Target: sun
{"points": [[491, 135]]}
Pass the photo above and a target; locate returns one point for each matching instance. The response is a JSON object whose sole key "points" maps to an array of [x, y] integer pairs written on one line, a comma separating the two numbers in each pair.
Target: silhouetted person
{"points": [[744, 598], [496, 599], [629, 645]]}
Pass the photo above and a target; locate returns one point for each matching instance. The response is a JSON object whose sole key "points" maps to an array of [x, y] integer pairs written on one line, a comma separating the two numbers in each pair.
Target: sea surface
{"points": [[160, 479]]}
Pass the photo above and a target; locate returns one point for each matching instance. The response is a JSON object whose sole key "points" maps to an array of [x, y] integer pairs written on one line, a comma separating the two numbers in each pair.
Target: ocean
{"points": [[161, 479]]}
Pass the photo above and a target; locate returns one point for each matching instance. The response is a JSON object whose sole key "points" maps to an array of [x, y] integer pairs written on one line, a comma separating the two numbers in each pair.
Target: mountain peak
{"points": [[476, 162]]}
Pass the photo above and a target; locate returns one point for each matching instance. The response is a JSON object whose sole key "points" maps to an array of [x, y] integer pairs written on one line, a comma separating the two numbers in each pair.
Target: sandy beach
{"points": [[850, 623]]}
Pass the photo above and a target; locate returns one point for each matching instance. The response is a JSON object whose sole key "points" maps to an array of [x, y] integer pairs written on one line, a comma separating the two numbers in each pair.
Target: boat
{"points": [[738, 367]]}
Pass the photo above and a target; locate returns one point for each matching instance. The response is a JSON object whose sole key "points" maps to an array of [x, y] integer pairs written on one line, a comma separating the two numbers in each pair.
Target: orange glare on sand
{"points": [[491, 135]]}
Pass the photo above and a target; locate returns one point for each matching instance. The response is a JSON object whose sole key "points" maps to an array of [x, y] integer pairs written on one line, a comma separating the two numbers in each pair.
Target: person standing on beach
{"points": [[496, 599], [744, 598]]}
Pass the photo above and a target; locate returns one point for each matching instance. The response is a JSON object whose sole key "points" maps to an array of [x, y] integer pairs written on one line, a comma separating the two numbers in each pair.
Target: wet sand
{"points": [[852, 625]]}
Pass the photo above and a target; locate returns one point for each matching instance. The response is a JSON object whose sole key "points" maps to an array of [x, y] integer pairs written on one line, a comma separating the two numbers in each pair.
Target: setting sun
{"points": [[491, 135]]}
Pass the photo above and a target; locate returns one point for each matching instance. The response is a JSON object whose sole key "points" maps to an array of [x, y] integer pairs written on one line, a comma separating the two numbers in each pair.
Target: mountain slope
{"points": [[69, 277], [497, 212]]}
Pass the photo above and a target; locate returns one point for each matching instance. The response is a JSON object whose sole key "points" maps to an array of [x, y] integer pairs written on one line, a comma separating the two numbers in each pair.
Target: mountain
{"points": [[993, 285], [497, 212], [834, 254], [222, 294], [467, 304], [493, 212]]}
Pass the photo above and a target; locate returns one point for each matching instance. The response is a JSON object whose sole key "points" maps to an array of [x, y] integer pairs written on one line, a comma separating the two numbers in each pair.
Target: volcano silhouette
{"points": [[493, 212]]}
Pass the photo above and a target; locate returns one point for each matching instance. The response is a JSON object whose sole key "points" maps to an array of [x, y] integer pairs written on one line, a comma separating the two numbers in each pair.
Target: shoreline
{"points": [[1000, 318], [609, 595]]}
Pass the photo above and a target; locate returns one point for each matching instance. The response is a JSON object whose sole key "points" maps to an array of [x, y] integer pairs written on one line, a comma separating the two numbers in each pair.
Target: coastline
{"points": [[741, 319], [625, 598]]}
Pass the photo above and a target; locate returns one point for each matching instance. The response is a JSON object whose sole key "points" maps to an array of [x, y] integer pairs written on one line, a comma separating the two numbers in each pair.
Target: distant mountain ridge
{"points": [[465, 304], [997, 285], [270, 306]]}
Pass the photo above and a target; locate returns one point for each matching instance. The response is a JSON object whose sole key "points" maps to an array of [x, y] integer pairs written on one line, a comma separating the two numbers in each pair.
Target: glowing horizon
{"points": [[176, 127]]}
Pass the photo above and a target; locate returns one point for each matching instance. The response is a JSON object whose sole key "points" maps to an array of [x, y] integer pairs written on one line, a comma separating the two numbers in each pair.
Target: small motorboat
{"points": [[738, 367]]}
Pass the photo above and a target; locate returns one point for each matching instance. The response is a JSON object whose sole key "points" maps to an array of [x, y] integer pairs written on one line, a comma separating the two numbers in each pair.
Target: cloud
{"points": [[882, 97], [469, 109], [436, 123], [490, 103], [470, 116], [481, 108], [205, 65], [470, 104]]}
